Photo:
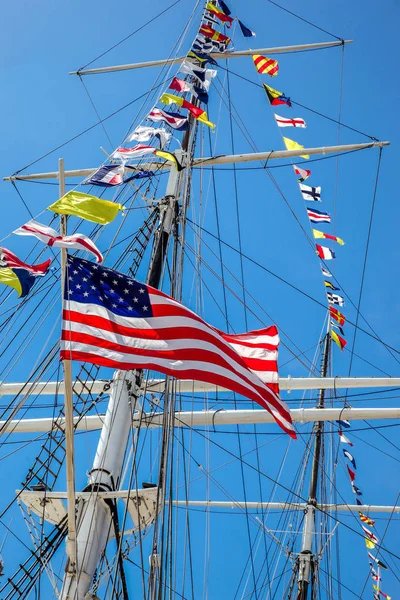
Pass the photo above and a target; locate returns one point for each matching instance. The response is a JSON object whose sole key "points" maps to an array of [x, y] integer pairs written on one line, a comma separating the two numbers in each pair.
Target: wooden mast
{"points": [[68, 402]]}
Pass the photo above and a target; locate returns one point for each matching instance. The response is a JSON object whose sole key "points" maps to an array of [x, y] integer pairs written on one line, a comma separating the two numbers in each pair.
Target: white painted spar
{"points": [[158, 385], [214, 418], [215, 55], [233, 504], [214, 160]]}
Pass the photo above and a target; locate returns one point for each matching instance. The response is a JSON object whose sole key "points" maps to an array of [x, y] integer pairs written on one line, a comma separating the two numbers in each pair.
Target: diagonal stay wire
{"points": [[309, 240], [365, 262], [291, 285], [316, 112], [286, 488], [78, 135], [305, 20], [188, 247], [96, 111], [128, 36]]}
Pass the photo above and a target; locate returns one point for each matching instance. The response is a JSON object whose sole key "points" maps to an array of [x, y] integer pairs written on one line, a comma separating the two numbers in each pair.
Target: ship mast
{"points": [[307, 563], [97, 516]]}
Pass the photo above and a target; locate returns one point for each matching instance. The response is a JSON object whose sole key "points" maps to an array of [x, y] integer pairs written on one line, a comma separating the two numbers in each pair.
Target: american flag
{"points": [[112, 320]]}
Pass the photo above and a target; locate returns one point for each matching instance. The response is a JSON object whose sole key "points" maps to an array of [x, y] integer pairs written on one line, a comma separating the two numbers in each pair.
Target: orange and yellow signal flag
{"points": [[341, 342], [263, 64]]}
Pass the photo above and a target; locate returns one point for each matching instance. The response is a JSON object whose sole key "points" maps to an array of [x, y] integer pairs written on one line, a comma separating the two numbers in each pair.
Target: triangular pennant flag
{"points": [[325, 272], [224, 7], [292, 145], [304, 173], [350, 457], [329, 284], [344, 439], [202, 57], [333, 324], [352, 474], [170, 157], [246, 32], [356, 490], [377, 561]]}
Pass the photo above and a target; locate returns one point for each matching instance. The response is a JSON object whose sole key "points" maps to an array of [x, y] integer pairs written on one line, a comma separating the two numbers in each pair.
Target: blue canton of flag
{"points": [[88, 283]]}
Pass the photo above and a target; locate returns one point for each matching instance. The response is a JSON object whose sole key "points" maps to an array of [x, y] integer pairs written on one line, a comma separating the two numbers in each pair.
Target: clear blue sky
{"points": [[42, 106]]}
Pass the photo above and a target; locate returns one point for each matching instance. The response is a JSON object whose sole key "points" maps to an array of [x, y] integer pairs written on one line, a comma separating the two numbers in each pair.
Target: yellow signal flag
{"points": [[86, 207], [8, 277], [369, 543], [170, 157], [292, 145], [204, 119]]}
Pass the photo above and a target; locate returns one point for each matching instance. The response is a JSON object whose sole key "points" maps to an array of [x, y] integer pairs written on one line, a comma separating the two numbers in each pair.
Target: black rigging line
{"points": [[371, 137], [21, 198], [290, 284], [96, 111], [129, 36], [298, 356], [251, 544], [365, 262], [309, 240], [305, 20], [78, 135], [284, 487]]}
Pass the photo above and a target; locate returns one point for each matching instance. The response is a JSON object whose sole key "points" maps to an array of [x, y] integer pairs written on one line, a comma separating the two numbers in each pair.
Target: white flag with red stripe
{"points": [[371, 535], [296, 122], [112, 320], [49, 236]]}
